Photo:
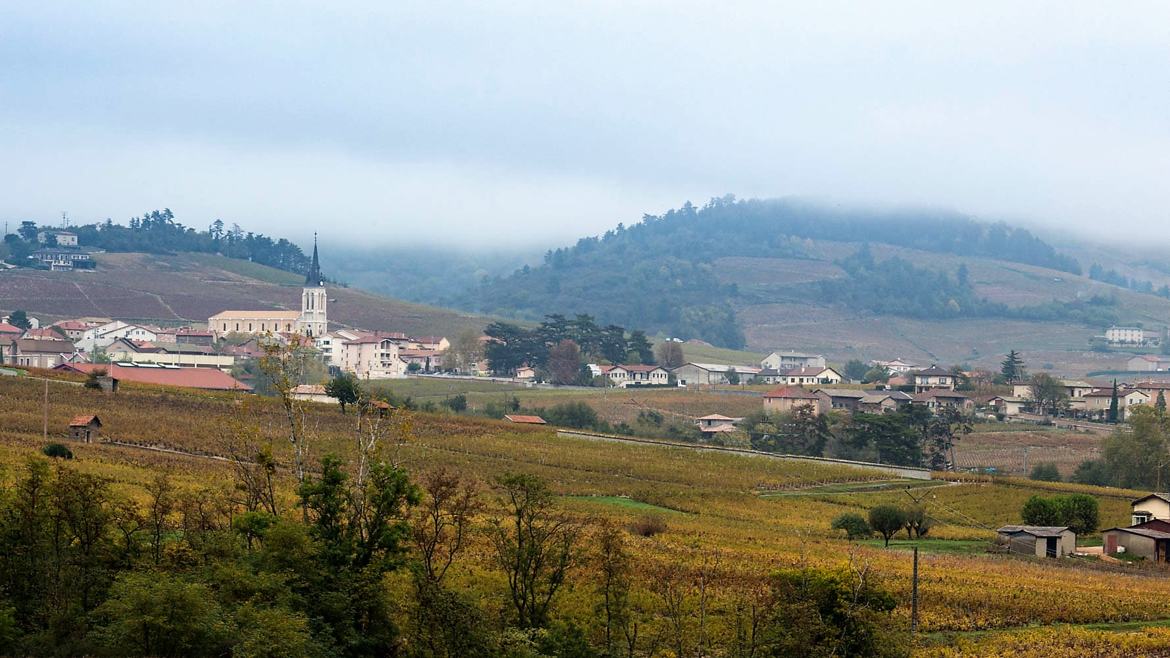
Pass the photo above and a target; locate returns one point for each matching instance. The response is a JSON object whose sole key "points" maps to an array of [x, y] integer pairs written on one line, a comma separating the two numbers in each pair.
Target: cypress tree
{"points": [[1112, 417]]}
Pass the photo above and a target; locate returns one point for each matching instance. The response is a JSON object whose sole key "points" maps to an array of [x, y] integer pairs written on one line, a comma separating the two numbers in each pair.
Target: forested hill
{"points": [[660, 274], [157, 232]]}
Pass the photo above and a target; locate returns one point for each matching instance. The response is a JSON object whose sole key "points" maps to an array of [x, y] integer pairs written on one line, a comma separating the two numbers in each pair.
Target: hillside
{"points": [[747, 516], [929, 287], [191, 287]]}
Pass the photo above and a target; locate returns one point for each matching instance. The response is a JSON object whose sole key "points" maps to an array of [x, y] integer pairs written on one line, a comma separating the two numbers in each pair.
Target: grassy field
{"points": [[709, 502]]}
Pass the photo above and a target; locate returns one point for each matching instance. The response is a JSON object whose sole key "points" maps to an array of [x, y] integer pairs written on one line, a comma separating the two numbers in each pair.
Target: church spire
{"points": [[313, 277]]}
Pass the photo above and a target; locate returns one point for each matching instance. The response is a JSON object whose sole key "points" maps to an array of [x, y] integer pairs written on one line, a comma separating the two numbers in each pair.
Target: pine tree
{"points": [[1160, 403], [1112, 417], [1012, 367]]}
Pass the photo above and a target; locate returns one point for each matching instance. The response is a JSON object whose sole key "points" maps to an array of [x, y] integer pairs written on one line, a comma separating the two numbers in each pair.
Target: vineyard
{"points": [[719, 509]]}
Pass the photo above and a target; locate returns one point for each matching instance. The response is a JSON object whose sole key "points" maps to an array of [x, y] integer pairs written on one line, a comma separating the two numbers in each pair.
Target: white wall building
{"points": [[790, 360]]}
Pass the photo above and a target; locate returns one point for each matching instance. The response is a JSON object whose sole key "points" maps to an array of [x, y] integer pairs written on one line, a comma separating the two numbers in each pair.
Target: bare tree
{"points": [[613, 586], [284, 364], [534, 545], [442, 523], [162, 503]]}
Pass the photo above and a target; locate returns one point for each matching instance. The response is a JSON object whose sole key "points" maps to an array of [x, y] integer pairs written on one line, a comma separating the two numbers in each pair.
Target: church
{"points": [[310, 321]]}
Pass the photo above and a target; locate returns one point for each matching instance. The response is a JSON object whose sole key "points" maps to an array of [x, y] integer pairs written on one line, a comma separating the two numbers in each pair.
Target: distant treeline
{"points": [[896, 286], [659, 274], [1099, 273], [157, 232]]}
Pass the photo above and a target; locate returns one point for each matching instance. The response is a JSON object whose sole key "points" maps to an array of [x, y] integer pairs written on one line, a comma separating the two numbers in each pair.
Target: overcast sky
{"points": [[532, 123]]}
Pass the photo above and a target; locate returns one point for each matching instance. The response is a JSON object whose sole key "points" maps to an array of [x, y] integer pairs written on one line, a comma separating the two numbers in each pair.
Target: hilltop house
{"points": [[60, 238], [791, 360], [932, 378], [63, 259], [1098, 402], [787, 399]]}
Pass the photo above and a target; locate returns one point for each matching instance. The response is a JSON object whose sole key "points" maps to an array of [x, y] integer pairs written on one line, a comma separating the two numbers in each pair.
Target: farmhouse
{"points": [[1151, 507], [939, 398], [1148, 363], [41, 353], [63, 259], [883, 402], [841, 399], [716, 423], [791, 360], [787, 399], [85, 428], [1040, 541], [1007, 405], [623, 376], [933, 378], [1098, 402], [808, 376]]}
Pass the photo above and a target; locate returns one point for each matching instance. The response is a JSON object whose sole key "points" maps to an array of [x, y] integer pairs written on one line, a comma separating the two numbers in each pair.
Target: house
{"points": [[841, 399], [525, 373], [433, 343], [1040, 541], [373, 355], [425, 360], [9, 333], [525, 420], [311, 393], [86, 429], [691, 374], [74, 329], [624, 376], [1098, 402], [787, 399], [191, 336], [211, 379], [1148, 363], [63, 259], [941, 398], [1155, 506], [102, 336], [1007, 405], [1128, 336], [883, 402], [41, 353], [312, 320], [1152, 389], [1149, 543], [809, 376], [716, 423], [932, 378], [791, 360], [62, 238], [897, 366]]}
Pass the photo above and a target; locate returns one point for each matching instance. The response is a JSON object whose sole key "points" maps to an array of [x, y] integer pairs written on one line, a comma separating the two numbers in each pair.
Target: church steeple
{"points": [[313, 277]]}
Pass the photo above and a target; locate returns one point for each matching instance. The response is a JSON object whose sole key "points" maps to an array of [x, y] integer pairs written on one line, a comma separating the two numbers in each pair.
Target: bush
{"points": [[578, 415], [457, 403], [1077, 511], [1092, 471], [1040, 511], [1045, 472], [648, 525], [854, 525], [57, 451], [887, 520]]}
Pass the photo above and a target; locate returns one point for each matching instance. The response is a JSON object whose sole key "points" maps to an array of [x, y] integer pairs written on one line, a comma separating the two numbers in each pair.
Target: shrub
{"points": [[457, 403], [1040, 511], [1092, 471], [1077, 511], [1045, 472], [648, 525], [57, 451], [854, 525], [887, 520]]}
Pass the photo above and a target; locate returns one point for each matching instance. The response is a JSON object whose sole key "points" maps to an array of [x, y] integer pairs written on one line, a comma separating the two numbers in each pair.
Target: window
{"points": [[1141, 517]]}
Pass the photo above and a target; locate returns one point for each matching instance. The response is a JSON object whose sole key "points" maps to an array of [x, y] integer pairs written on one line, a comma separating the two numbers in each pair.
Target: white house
{"points": [[790, 360], [104, 335], [932, 378], [1125, 336], [897, 366], [808, 377], [623, 376]]}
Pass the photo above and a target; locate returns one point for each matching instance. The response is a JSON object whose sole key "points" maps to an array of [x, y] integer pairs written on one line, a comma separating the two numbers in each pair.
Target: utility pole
{"points": [[914, 598]]}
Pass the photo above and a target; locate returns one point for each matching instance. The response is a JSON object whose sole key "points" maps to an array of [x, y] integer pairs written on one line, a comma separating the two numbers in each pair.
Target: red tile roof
{"points": [[531, 420], [790, 393], [83, 421], [210, 379], [6, 328]]}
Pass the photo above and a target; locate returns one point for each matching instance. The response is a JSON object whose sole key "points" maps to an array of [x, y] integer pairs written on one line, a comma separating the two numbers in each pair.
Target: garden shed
{"points": [[86, 429], [1040, 541]]}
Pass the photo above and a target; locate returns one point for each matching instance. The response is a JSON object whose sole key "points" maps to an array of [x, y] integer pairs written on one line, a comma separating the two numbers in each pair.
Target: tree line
{"points": [[560, 346]]}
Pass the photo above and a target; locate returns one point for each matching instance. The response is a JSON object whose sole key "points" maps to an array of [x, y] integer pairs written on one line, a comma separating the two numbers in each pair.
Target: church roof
{"points": [[313, 276], [257, 315]]}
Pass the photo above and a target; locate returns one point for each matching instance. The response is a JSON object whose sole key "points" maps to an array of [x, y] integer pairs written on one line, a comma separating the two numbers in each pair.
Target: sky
{"points": [[513, 124]]}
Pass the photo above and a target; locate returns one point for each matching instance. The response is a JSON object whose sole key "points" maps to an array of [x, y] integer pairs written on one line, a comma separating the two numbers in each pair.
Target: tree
{"points": [[344, 388], [1079, 512], [887, 520], [1160, 402], [57, 451], [854, 525], [918, 523], [1045, 472], [1012, 368], [876, 374], [456, 403], [1113, 415], [571, 414], [802, 432], [855, 370], [1048, 393], [19, 319], [639, 346], [465, 351], [1041, 511], [670, 354], [732, 377], [1091, 471], [615, 575], [1136, 456], [284, 365], [564, 362], [534, 545], [157, 614]]}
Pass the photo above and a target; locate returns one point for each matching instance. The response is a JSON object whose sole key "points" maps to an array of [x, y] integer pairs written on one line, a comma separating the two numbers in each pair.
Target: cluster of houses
{"points": [[197, 357]]}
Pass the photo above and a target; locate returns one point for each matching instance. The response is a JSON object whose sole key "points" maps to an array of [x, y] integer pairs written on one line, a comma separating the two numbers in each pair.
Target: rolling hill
{"points": [[768, 275], [191, 287]]}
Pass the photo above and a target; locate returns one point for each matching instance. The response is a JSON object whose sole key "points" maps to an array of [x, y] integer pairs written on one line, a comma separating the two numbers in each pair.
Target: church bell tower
{"points": [[314, 322]]}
